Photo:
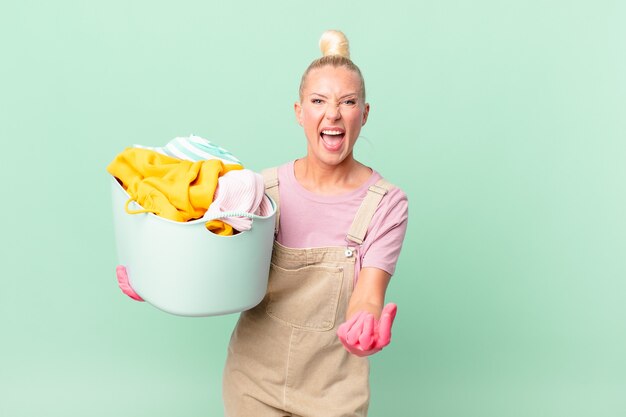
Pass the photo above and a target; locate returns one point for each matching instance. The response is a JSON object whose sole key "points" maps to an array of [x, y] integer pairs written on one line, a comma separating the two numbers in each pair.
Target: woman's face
{"points": [[331, 112]]}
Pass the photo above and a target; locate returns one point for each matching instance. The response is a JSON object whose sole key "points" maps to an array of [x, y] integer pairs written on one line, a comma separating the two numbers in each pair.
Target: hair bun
{"points": [[334, 42]]}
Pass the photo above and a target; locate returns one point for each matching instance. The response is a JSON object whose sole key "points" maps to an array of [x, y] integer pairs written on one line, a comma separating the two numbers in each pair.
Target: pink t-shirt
{"points": [[310, 220]]}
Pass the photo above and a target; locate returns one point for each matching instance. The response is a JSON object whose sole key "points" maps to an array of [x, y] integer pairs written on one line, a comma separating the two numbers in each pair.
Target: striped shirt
{"points": [[193, 148]]}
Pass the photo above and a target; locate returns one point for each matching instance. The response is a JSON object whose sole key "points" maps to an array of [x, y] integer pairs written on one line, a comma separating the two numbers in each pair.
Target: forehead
{"points": [[332, 80]]}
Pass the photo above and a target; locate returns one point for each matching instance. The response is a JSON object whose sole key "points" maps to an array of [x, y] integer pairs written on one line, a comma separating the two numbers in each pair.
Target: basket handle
{"points": [[205, 218], [143, 210], [225, 214]]}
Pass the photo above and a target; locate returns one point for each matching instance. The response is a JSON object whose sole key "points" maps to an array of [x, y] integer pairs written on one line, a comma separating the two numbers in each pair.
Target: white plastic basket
{"points": [[184, 269]]}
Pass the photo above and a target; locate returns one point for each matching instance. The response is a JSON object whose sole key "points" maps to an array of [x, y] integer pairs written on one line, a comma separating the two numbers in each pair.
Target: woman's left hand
{"points": [[363, 335], [124, 283]]}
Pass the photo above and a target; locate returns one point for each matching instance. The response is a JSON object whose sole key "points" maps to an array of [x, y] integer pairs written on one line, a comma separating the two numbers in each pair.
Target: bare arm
{"points": [[367, 328], [369, 293]]}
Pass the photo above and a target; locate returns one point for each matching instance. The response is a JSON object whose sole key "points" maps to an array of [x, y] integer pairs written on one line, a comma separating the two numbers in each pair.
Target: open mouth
{"points": [[332, 138]]}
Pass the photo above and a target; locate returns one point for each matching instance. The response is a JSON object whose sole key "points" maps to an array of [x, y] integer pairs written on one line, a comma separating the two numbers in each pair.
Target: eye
{"points": [[316, 100], [350, 102]]}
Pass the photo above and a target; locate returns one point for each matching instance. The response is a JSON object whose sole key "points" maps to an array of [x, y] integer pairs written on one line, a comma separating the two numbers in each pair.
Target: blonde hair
{"points": [[336, 53]]}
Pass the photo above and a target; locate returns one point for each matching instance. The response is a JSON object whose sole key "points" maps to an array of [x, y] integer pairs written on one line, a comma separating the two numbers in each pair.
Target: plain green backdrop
{"points": [[504, 122]]}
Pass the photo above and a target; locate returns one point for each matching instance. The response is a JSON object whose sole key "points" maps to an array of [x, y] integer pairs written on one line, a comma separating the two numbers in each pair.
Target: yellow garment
{"points": [[220, 228], [176, 189]]}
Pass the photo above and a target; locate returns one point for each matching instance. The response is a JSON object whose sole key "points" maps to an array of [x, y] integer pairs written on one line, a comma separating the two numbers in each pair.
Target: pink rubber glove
{"points": [[122, 280], [363, 335]]}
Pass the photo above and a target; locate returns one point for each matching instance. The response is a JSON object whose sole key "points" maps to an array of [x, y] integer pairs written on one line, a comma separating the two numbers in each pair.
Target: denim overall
{"points": [[284, 357]]}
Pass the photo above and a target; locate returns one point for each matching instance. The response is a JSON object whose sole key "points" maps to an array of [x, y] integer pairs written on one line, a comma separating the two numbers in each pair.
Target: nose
{"points": [[332, 112]]}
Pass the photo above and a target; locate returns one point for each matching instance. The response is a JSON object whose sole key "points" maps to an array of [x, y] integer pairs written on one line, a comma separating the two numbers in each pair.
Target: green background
{"points": [[504, 122]]}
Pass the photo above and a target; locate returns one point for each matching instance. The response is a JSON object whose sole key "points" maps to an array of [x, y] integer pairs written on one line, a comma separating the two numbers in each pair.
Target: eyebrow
{"points": [[344, 96]]}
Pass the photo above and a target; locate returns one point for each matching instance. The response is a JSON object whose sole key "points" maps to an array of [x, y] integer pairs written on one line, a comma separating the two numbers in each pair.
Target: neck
{"points": [[321, 178]]}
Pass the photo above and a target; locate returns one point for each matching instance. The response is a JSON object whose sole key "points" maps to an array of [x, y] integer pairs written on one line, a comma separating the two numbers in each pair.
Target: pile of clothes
{"points": [[191, 178]]}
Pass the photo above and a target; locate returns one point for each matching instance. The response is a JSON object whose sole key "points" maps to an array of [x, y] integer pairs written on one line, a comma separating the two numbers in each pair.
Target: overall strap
{"points": [[270, 177], [364, 214]]}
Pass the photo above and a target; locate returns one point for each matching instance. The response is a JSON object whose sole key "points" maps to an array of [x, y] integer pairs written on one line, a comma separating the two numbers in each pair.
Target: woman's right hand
{"points": [[122, 280]]}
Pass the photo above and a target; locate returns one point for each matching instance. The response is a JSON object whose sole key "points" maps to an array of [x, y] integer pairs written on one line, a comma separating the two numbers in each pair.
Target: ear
{"points": [[297, 107], [366, 112]]}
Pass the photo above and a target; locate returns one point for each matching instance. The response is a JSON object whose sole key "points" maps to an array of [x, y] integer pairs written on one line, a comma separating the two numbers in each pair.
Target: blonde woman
{"points": [[303, 350]]}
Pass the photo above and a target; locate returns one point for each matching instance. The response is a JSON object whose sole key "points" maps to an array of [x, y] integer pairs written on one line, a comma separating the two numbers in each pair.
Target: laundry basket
{"points": [[184, 269]]}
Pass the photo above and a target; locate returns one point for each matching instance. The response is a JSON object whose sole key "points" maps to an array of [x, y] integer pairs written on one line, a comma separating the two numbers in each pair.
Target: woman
{"points": [[340, 231]]}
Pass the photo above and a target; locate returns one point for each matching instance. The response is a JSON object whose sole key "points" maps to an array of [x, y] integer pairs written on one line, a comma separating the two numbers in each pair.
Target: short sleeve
{"points": [[383, 241]]}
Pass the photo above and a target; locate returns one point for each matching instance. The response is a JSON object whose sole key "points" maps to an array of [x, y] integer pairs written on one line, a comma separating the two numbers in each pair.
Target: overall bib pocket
{"points": [[305, 297]]}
